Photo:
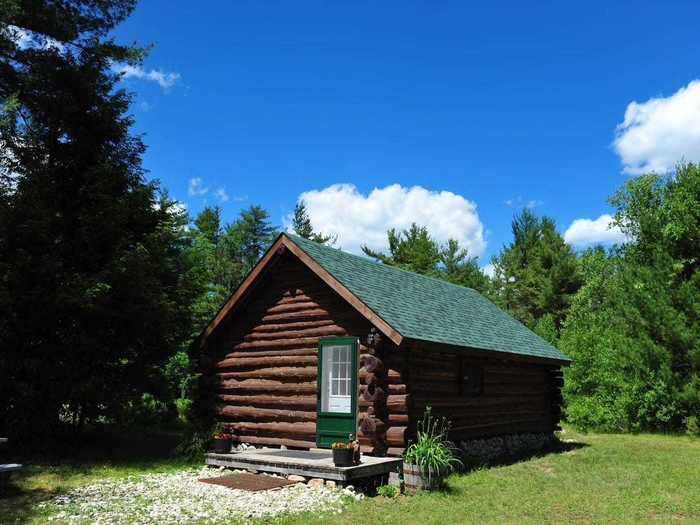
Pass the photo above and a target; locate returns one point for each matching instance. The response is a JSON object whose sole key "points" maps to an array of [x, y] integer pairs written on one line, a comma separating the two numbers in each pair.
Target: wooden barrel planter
{"points": [[414, 479]]}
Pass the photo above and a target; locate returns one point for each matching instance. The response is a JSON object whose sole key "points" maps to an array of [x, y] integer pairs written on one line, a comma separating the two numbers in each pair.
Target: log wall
{"points": [[265, 363], [516, 396], [261, 368]]}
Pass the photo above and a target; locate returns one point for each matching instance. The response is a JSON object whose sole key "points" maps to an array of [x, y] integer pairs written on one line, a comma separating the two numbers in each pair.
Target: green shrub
{"points": [[145, 411], [432, 452], [692, 426], [183, 407], [388, 491], [193, 445]]}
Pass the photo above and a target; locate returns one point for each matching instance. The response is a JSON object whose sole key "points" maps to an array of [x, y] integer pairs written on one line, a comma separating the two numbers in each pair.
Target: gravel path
{"points": [[181, 498]]}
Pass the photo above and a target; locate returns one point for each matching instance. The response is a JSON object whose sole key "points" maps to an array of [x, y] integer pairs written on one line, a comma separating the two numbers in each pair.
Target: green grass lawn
{"points": [[607, 479]]}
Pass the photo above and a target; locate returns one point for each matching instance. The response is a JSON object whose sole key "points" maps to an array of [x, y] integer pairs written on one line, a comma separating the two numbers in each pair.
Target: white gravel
{"points": [[181, 498]]}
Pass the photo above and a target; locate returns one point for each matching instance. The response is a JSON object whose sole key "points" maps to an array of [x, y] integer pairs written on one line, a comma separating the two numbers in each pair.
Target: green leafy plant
{"points": [[432, 452], [692, 424], [388, 491], [184, 408], [221, 432]]}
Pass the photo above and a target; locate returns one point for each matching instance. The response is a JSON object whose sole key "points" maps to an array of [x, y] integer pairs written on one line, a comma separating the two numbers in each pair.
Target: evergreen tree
{"points": [[412, 249], [219, 258], [248, 238], [91, 293], [208, 223], [301, 224], [634, 327], [415, 250], [459, 268], [537, 274]]}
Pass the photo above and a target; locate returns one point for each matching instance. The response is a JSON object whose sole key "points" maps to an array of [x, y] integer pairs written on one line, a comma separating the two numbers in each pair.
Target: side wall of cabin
{"points": [[263, 363], [514, 396]]}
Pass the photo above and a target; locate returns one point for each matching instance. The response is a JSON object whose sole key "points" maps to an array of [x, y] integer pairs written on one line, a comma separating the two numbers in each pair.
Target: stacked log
{"points": [[373, 395], [556, 383], [514, 397], [267, 370], [384, 399]]}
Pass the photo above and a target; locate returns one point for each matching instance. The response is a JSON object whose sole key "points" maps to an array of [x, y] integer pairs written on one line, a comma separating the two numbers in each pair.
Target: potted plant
{"points": [[221, 440], [346, 454], [432, 457]]}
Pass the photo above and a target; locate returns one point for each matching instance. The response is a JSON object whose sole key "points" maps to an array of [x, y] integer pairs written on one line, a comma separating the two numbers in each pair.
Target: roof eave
{"points": [[495, 354]]}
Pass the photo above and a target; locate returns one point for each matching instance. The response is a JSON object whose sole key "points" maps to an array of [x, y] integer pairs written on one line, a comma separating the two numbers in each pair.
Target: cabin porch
{"points": [[313, 464]]}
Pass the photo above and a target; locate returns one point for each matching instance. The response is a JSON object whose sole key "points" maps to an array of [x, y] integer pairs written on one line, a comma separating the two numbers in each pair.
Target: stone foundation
{"points": [[500, 449]]}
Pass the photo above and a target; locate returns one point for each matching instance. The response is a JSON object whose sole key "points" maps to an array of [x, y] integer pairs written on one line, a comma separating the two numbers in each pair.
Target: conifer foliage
{"points": [[90, 289]]}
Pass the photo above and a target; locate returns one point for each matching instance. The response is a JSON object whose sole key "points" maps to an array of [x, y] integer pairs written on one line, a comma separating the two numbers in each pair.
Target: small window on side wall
{"points": [[470, 378]]}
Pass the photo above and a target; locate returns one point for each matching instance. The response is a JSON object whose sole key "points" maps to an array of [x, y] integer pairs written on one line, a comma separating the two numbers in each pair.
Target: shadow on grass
{"points": [[556, 446], [99, 452]]}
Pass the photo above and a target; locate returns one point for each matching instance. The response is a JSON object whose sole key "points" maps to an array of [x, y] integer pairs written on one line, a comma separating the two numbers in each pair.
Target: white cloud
{"points": [[359, 219], [519, 202], [221, 195], [585, 232], [489, 270], [179, 207], [657, 134], [25, 39], [196, 187], [164, 80], [21, 37]]}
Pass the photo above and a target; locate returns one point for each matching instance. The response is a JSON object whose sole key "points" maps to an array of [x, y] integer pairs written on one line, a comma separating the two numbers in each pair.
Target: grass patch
{"points": [[614, 479]]}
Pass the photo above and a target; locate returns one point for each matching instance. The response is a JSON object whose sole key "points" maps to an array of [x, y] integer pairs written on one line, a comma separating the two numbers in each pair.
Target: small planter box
{"points": [[414, 479], [343, 457], [222, 446]]}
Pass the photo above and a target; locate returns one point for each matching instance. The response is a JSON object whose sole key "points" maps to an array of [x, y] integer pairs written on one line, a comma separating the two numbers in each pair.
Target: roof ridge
{"points": [[367, 260]]}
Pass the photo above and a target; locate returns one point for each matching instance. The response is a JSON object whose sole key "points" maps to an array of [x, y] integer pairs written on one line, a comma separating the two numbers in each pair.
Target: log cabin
{"points": [[318, 345]]}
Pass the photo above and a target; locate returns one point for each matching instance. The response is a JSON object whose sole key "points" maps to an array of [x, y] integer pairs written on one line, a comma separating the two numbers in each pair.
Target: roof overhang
{"points": [[282, 244], [488, 353]]}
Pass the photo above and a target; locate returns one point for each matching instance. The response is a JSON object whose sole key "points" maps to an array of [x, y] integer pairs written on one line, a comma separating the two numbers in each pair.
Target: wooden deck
{"points": [[310, 464]]}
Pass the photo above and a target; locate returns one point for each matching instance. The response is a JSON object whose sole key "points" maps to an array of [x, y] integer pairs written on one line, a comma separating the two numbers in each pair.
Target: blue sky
{"points": [[504, 105]]}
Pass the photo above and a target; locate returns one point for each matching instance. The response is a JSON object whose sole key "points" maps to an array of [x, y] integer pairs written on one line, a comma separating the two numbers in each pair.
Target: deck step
{"points": [[269, 460]]}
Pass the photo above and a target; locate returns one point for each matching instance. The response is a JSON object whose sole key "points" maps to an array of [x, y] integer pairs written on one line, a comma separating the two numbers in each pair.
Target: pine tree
{"points": [[208, 223], [537, 274], [413, 249], [459, 268], [249, 237], [90, 275], [301, 224]]}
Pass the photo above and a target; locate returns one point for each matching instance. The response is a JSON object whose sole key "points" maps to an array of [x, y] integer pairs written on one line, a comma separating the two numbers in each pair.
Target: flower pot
{"points": [[343, 457], [414, 479], [222, 446]]}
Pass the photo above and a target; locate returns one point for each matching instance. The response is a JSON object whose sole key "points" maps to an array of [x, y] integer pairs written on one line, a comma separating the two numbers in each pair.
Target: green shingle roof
{"points": [[429, 309]]}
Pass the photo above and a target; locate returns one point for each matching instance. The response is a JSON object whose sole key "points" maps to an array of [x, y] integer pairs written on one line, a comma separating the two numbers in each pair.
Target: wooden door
{"points": [[336, 411]]}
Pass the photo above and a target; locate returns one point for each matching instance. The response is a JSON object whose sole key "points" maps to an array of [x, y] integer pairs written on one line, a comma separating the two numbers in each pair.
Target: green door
{"points": [[336, 410]]}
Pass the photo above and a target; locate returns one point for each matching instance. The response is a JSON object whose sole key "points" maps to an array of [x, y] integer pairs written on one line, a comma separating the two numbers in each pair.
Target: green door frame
{"points": [[334, 426]]}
